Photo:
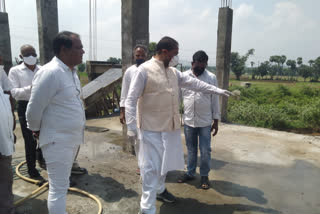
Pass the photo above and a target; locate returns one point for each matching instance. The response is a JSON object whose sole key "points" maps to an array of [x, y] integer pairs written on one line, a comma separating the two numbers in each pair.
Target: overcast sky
{"points": [[271, 27]]}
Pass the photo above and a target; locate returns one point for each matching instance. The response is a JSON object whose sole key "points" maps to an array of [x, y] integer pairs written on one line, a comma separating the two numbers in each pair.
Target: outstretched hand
{"points": [[226, 93]]}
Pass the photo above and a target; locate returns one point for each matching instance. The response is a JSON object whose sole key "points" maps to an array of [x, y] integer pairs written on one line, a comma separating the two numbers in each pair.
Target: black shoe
{"points": [[166, 197], [37, 177], [33, 173], [78, 171]]}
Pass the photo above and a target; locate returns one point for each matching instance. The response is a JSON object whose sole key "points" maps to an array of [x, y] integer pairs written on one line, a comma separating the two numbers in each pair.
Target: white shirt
{"points": [[200, 109], [21, 78], [5, 83], [127, 77], [55, 107], [6, 125], [138, 84]]}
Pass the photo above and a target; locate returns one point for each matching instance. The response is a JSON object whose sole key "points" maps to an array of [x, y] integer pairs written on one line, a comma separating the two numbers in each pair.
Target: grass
{"points": [[289, 106]]}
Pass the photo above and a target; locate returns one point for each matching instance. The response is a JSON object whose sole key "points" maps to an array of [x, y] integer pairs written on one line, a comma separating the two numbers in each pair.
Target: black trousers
{"points": [[6, 181], [32, 153]]}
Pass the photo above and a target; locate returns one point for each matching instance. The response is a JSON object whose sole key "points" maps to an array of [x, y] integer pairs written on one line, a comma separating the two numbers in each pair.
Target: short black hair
{"points": [[63, 39], [167, 43], [200, 56], [142, 47]]}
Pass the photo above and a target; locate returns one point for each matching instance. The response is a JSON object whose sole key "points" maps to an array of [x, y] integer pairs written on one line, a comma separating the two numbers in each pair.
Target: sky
{"points": [[271, 27]]}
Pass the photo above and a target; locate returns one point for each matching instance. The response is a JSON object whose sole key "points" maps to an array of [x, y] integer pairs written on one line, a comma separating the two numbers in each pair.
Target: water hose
{"points": [[43, 185]]}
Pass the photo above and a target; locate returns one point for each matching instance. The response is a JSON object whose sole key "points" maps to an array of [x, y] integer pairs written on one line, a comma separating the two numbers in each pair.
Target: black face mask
{"points": [[139, 61], [198, 71]]}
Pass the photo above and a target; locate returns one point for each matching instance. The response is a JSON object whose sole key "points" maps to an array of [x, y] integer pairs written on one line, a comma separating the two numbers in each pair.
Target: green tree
{"points": [[152, 49], [114, 60], [305, 71], [81, 67], [273, 70], [299, 61], [293, 66], [263, 68], [238, 63], [316, 69]]}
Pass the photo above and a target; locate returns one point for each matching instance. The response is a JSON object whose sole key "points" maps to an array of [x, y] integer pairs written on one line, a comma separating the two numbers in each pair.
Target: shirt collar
{"points": [[202, 75], [64, 66], [24, 67]]}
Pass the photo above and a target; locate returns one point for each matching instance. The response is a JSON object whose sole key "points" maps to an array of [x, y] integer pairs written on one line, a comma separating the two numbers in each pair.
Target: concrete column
{"points": [[134, 28], [223, 54], [48, 28], [5, 44]]}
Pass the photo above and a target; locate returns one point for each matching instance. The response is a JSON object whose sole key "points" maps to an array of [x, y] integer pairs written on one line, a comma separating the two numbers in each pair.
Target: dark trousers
{"points": [[6, 181], [32, 153]]}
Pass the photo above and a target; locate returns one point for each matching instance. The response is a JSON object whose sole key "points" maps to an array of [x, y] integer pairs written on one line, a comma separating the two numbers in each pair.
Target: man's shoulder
{"points": [[132, 68], [16, 68], [210, 74]]}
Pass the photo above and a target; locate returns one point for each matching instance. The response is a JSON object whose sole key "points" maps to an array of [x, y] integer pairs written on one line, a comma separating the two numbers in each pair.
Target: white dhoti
{"points": [[159, 153]]}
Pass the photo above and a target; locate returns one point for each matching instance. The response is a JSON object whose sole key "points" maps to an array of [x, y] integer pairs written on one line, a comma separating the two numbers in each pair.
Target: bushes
{"points": [[279, 108]]}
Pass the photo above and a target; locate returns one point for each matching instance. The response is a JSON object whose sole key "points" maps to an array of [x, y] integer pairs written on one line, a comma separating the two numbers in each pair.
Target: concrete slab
{"points": [[254, 171]]}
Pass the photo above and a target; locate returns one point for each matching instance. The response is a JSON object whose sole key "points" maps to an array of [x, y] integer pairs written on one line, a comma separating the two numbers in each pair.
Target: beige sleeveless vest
{"points": [[159, 104]]}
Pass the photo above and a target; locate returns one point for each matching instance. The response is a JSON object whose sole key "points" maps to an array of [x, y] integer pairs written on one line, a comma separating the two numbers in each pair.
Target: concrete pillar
{"points": [[48, 28], [5, 44], [223, 54], [134, 28]]}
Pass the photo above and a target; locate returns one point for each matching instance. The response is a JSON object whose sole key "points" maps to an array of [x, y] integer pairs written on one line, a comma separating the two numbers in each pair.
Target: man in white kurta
{"points": [[156, 85], [140, 55], [6, 152], [56, 112]]}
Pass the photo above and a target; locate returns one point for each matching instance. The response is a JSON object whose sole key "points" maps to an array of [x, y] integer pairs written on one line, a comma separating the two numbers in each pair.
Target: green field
{"points": [[280, 105]]}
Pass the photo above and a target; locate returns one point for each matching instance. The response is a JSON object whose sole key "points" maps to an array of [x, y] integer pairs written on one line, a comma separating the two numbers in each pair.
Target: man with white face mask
{"points": [[21, 77], [156, 85]]}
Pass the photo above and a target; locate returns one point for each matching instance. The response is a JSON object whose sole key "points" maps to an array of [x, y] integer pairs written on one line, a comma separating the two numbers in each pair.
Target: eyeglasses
{"points": [[30, 54]]}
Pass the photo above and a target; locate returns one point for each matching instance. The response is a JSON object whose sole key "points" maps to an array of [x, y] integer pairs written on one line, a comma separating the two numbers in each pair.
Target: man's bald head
{"points": [[27, 50]]}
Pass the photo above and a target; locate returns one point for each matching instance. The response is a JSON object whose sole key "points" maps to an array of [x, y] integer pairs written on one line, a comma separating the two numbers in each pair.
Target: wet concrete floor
{"points": [[253, 171]]}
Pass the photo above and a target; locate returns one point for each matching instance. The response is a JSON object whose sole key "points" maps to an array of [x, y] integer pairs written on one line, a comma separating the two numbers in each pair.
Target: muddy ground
{"points": [[253, 171]]}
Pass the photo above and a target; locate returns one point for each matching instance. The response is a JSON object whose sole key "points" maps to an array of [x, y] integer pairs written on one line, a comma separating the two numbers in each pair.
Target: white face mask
{"points": [[30, 60], [174, 61]]}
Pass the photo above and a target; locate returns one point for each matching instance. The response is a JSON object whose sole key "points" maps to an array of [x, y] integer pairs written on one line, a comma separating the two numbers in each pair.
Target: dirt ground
{"points": [[254, 171]]}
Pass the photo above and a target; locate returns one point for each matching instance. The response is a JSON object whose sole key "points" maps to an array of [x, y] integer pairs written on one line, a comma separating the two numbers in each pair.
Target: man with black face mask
{"points": [[140, 55], [201, 116]]}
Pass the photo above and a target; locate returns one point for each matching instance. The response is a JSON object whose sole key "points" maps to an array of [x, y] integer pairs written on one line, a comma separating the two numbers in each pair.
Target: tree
{"points": [[263, 68], [81, 67], [114, 60], [305, 71], [299, 61], [316, 69], [293, 66], [273, 70], [237, 62], [152, 49]]}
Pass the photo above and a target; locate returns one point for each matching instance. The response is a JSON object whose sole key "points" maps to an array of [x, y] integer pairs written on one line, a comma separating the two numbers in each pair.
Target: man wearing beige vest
{"points": [[156, 85]]}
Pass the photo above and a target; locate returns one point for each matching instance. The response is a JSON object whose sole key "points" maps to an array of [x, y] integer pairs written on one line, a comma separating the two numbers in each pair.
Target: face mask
{"points": [[198, 71], [139, 61], [2, 67], [174, 61], [30, 60]]}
